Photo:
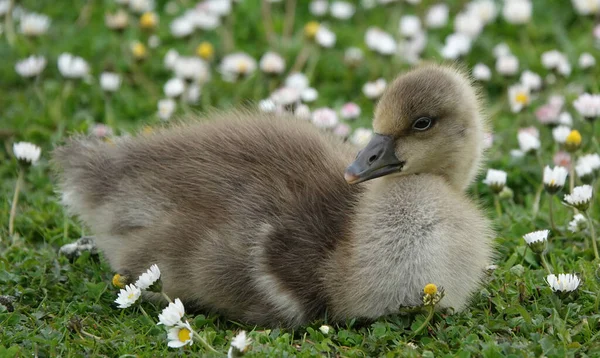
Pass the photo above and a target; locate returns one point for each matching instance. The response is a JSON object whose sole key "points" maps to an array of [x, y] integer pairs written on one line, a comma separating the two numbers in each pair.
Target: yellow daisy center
{"points": [[184, 335], [552, 182], [522, 98], [118, 281], [205, 50], [131, 296], [242, 67], [139, 50], [574, 138], [148, 20], [430, 289], [311, 28]]}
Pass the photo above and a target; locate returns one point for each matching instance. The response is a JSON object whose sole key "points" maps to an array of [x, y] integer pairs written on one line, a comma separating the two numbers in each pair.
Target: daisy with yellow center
{"points": [[139, 51], [128, 296], [119, 280], [430, 289], [311, 29], [205, 50], [573, 141], [148, 20], [518, 97], [180, 335]]}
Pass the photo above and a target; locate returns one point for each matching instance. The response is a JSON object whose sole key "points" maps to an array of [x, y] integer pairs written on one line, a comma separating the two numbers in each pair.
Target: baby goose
{"points": [[252, 216]]}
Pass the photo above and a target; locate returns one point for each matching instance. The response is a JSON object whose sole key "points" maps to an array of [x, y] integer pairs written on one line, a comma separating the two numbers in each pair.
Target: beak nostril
{"points": [[372, 159]]}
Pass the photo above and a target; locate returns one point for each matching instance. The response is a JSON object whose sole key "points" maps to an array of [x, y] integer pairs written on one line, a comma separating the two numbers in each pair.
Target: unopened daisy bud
{"points": [[139, 51], [496, 180], [554, 179], [26, 153], [310, 29], [239, 345], [205, 50], [537, 240], [430, 289], [563, 284], [119, 280], [573, 141], [579, 223], [506, 193], [148, 21], [325, 329], [580, 198]]}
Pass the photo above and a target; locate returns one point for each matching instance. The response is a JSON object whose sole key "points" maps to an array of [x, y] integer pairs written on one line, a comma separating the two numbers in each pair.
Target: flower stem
{"points": [[427, 320], [165, 296], [9, 23], [498, 206], [572, 174], [545, 263], [268, 21], [536, 201], [593, 235], [290, 14], [144, 312], [13, 208], [551, 213], [202, 341]]}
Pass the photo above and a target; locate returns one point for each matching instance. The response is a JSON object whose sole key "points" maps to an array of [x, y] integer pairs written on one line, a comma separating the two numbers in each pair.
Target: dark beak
{"points": [[377, 159]]}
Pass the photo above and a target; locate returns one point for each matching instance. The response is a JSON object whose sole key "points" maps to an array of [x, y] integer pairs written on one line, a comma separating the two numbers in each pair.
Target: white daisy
{"points": [[27, 152], [517, 11], [481, 72], [350, 110], [536, 236], [72, 66], [272, 63], [580, 197], [128, 296], [166, 107], [588, 105], [285, 96], [325, 37], [531, 80], [374, 89], [298, 81], [518, 97], [31, 66], [584, 172], [324, 118], [507, 65], [325, 329], [554, 178], [591, 160], [267, 105], [563, 282], [309, 95], [181, 27], [148, 278], [380, 41], [191, 69], [180, 335], [303, 112], [237, 65], [318, 7], [456, 45], [361, 137], [578, 223], [586, 60], [528, 142], [174, 87], [239, 344], [342, 10], [110, 81], [495, 179], [560, 134], [342, 130], [172, 314], [410, 25], [33, 24], [437, 16]]}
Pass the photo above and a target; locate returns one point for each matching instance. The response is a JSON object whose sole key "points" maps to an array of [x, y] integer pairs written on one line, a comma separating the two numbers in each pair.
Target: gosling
{"points": [[271, 221]]}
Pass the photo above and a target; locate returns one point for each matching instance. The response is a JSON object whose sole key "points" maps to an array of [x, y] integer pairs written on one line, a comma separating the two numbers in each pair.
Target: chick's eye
{"points": [[422, 123]]}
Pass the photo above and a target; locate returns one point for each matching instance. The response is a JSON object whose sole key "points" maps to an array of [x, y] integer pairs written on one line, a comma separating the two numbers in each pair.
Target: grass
{"points": [[65, 309]]}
